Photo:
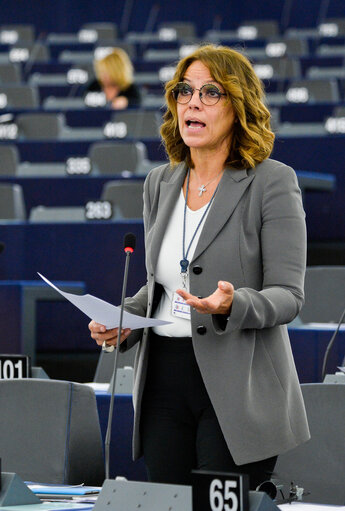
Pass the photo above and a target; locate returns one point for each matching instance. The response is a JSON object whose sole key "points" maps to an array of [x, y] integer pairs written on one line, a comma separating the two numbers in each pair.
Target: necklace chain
{"points": [[203, 188]]}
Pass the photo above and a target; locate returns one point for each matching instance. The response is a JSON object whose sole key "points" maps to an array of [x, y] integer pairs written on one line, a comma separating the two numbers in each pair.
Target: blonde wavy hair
{"points": [[252, 138], [118, 66]]}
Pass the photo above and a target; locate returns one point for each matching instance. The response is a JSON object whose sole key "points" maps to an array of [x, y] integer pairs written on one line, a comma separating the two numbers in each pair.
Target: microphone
{"points": [[330, 344], [129, 246], [129, 242]]}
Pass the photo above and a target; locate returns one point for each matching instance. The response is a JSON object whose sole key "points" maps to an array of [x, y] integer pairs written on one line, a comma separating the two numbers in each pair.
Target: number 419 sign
{"points": [[220, 491]]}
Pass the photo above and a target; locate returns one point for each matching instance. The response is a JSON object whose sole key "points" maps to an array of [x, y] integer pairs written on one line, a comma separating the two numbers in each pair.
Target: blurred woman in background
{"points": [[114, 74]]}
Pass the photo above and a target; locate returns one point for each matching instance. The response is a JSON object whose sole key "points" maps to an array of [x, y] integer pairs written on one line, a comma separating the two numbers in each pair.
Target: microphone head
{"points": [[129, 242]]}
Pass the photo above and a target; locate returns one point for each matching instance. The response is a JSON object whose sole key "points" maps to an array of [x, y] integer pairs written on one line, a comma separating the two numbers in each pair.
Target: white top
{"points": [[168, 271]]}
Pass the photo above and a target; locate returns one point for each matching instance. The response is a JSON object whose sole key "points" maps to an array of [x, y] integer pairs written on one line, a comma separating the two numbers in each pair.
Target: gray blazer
{"points": [[254, 237]]}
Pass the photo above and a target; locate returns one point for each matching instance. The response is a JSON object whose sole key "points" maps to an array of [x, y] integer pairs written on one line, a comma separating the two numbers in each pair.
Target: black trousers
{"points": [[179, 429]]}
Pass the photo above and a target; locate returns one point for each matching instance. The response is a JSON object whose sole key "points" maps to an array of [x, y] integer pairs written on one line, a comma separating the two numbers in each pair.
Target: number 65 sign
{"points": [[220, 491]]}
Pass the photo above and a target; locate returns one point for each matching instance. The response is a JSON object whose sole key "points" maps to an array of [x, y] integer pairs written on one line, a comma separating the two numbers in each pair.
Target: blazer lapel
{"points": [[168, 196], [231, 188]]}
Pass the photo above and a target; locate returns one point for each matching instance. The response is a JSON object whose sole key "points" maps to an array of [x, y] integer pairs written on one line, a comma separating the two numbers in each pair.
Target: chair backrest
{"points": [[42, 214], [20, 96], [283, 67], [339, 111], [50, 432], [318, 465], [263, 29], [109, 158], [183, 29], [41, 126], [36, 52], [313, 91], [126, 198], [9, 160], [105, 365], [337, 26], [140, 123], [12, 205], [23, 32], [10, 73], [105, 31], [327, 282]]}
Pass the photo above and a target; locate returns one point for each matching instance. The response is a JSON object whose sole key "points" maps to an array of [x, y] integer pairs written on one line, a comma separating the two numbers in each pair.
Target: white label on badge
{"points": [[179, 308]]}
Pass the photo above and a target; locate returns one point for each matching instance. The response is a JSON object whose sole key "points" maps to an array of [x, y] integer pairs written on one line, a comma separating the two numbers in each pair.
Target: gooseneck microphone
{"points": [[129, 246], [330, 344]]}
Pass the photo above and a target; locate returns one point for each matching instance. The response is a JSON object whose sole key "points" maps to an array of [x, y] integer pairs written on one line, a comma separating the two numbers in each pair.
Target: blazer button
{"points": [[201, 329], [197, 269]]}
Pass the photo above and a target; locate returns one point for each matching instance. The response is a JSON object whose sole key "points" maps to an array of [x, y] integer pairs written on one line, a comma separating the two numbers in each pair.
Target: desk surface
{"points": [[50, 506]]}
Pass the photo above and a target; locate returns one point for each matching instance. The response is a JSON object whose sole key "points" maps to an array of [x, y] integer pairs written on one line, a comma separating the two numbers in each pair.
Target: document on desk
{"points": [[51, 490], [306, 506], [51, 506], [105, 313]]}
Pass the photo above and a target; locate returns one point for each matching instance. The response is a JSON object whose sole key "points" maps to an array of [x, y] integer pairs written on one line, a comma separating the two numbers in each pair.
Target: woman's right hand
{"points": [[100, 334]]}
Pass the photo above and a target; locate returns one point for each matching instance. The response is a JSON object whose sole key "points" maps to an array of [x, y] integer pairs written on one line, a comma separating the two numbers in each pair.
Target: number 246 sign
{"points": [[220, 491]]}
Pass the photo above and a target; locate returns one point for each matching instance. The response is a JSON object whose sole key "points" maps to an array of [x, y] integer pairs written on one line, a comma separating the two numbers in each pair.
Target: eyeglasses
{"points": [[209, 94]]}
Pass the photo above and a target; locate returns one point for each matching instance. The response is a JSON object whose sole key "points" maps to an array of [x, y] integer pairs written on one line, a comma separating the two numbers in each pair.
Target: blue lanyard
{"points": [[184, 263]]}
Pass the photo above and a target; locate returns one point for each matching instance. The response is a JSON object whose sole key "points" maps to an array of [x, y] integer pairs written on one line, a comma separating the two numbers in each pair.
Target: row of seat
{"points": [[112, 158], [118, 200], [128, 131], [107, 32], [276, 47], [321, 87], [73, 448]]}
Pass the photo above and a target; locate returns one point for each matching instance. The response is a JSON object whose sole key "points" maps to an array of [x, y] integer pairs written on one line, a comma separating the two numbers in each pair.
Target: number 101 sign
{"points": [[14, 366], [220, 491]]}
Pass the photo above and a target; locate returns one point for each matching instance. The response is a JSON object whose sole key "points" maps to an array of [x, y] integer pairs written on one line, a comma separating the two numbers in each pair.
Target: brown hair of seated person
{"points": [[114, 72]]}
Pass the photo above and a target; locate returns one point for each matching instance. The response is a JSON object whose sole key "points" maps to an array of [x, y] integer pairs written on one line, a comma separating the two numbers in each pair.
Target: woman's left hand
{"points": [[218, 302]]}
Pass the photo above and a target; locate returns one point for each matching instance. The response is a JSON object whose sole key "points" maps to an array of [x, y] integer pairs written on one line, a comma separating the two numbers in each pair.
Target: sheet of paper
{"points": [[65, 489], [50, 506], [104, 312], [305, 506]]}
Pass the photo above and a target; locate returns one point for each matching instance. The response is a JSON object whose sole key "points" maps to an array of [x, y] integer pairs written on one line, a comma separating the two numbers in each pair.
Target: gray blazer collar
{"points": [[231, 188]]}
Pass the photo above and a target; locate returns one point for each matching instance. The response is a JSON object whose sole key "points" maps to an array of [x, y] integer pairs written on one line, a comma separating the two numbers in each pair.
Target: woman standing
{"points": [[225, 243]]}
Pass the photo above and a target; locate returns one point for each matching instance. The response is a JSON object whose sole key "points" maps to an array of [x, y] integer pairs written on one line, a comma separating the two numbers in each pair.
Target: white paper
{"points": [[105, 313], [305, 506]]}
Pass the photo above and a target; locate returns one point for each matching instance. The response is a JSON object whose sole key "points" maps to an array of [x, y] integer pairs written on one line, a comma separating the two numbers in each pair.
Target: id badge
{"points": [[179, 308]]}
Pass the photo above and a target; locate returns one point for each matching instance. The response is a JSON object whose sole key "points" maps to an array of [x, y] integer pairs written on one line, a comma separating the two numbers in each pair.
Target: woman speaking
{"points": [[216, 388]]}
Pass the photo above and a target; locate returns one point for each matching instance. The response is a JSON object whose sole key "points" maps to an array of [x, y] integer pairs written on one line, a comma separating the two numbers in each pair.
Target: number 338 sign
{"points": [[219, 491]]}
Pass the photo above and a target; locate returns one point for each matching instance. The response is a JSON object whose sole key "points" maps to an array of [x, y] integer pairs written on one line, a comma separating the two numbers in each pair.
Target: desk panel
{"points": [[121, 463], [92, 253], [18, 305], [308, 345]]}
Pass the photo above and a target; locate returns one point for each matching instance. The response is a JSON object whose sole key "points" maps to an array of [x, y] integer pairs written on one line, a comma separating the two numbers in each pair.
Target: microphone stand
{"points": [[113, 380], [330, 344]]}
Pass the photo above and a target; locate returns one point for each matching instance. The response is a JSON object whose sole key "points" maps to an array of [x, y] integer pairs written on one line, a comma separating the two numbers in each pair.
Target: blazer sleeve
{"points": [[283, 248]]}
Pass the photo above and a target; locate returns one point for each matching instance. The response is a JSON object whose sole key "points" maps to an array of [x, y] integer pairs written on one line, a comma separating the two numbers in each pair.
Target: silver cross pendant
{"points": [[201, 189]]}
